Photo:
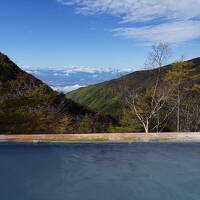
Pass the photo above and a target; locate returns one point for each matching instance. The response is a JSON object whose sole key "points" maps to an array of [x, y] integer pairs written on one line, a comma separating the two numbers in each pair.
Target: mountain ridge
{"points": [[104, 97], [27, 105]]}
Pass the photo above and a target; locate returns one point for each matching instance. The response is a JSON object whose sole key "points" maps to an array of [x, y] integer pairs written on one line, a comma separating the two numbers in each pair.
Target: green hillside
{"points": [[102, 97], [107, 96]]}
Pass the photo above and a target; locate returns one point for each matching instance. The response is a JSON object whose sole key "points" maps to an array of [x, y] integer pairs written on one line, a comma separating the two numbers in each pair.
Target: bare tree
{"points": [[157, 58], [147, 105], [146, 110]]}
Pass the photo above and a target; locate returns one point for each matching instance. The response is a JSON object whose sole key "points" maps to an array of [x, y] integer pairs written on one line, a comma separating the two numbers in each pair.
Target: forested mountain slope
{"points": [[107, 96], [27, 105], [112, 97]]}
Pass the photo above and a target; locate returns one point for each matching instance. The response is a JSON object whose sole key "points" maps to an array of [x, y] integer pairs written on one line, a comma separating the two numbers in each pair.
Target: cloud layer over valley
{"points": [[67, 79]]}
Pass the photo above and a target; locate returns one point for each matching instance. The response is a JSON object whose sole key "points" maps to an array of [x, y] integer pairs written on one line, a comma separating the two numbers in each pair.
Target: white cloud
{"points": [[83, 69], [66, 89], [31, 70], [175, 32], [76, 69], [94, 70], [177, 14], [142, 10]]}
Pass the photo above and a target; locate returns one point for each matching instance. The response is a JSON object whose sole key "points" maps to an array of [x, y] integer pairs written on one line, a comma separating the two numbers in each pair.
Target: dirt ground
{"points": [[106, 137]]}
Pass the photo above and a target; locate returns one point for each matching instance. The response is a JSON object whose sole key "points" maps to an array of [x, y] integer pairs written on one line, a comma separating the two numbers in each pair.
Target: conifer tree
{"points": [[178, 78]]}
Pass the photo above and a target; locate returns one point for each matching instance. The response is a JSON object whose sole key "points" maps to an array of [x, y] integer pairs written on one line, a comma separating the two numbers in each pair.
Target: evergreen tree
{"points": [[178, 78]]}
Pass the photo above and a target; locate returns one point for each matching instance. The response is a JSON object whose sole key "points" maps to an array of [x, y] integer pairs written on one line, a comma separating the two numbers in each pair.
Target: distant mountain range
{"points": [[71, 78]]}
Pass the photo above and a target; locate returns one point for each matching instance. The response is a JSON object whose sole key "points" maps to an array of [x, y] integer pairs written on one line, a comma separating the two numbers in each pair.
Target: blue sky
{"points": [[97, 33]]}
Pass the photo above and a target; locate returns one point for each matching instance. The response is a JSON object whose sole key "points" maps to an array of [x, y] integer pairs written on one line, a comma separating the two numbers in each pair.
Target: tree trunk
{"points": [[158, 123], [178, 111], [147, 127]]}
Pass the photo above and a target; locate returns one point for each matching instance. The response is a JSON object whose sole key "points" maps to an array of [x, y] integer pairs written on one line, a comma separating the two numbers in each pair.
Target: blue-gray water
{"points": [[100, 171]]}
